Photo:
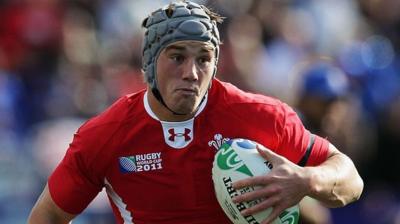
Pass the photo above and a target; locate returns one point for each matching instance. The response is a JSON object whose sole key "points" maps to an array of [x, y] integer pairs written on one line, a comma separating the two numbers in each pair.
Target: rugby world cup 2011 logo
{"points": [[141, 162], [228, 159], [127, 164]]}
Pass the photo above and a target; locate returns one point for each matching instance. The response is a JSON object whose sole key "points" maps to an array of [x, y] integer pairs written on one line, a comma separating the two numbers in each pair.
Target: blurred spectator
{"points": [[29, 41], [321, 86], [374, 67], [328, 107]]}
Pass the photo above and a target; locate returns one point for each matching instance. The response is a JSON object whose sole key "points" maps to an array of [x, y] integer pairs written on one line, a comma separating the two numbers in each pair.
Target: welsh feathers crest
{"points": [[218, 141]]}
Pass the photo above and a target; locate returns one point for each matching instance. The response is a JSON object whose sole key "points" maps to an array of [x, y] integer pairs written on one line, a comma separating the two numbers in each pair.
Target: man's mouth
{"points": [[188, 91]]}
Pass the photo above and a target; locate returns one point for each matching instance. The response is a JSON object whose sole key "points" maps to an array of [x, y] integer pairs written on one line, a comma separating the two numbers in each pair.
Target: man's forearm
{"points": [[46, 211], [335, 182]]}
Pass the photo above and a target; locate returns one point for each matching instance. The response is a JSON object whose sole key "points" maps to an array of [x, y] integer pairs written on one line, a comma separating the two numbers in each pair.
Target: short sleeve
{"points": [[298, 144], [81, 174], [74, 183]]}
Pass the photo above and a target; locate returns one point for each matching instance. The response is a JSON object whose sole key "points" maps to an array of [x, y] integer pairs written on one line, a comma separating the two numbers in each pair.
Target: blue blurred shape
{"points": [[325, 81], [246, 144], [377, 52]]}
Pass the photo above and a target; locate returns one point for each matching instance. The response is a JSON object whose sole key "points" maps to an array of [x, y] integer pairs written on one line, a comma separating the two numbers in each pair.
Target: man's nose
{"points": [[190, 70]]}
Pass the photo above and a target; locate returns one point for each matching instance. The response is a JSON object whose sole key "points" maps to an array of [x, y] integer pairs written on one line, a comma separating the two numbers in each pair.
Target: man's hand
{"points": [[283, 187]]}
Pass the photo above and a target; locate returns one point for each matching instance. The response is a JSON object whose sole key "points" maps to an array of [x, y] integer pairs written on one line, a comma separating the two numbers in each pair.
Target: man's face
{"points": [[184, 71]]}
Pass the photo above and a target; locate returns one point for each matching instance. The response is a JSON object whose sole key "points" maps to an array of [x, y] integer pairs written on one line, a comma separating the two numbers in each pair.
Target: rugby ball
{"points": [[237, 159]]}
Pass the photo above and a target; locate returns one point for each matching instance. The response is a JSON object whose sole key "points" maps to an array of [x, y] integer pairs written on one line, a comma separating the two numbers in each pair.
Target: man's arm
{"points": [[46, 211], [335, 183]]}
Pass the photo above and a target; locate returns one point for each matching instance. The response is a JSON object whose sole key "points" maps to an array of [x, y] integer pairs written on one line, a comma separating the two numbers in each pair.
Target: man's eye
{"points": [[177, 58], [203, 60]]}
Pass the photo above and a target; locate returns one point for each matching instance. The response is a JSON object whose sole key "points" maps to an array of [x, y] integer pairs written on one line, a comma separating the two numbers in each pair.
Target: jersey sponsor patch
{"points": [[185, 134], [141, 162], [178, 135]]}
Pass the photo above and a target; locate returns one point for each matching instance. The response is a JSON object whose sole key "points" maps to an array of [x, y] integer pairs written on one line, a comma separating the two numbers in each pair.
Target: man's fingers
{"points": [[264, 205], [253, 195], [267, 154], [257, 194], [251, 181]]}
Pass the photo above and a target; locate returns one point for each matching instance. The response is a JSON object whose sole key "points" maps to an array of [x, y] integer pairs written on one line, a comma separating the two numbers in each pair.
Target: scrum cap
{"points": [[175, 22]]}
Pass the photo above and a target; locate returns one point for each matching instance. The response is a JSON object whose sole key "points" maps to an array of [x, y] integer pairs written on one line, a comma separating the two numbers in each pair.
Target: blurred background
{"points": [[336, 62]]}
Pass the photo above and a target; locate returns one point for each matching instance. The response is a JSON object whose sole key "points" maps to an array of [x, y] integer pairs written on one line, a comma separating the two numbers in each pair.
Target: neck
{"points": [[162, 112]]}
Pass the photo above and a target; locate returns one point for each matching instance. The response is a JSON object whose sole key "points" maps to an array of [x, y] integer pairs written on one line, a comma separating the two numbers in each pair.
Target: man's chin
{"points": [[185, 106], [185, 109]]}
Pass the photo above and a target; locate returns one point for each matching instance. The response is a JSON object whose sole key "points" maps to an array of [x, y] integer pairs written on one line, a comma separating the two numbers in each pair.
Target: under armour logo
{"points": [[185, 134]]}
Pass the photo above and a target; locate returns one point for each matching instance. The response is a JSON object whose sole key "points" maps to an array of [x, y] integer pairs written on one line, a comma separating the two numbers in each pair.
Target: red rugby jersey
{"points": [[160, 172]]}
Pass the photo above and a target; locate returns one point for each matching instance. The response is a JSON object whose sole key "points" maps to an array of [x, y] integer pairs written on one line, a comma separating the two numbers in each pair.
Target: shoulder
{"points": [[122, 109], [107, 127], [105, 130], [247, 103]]}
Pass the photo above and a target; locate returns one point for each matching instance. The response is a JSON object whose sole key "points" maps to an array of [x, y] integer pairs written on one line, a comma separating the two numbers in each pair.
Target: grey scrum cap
{"points": [[188, 21]]}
